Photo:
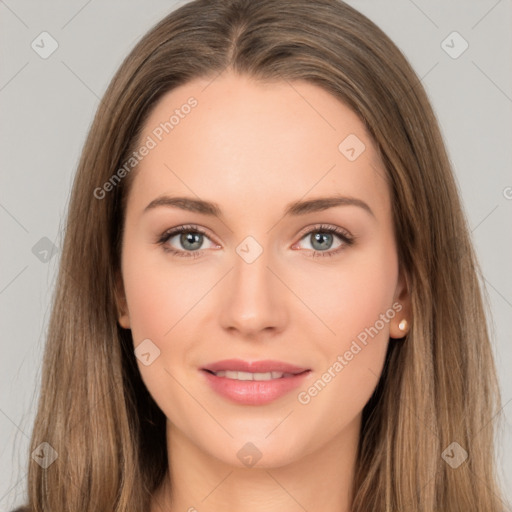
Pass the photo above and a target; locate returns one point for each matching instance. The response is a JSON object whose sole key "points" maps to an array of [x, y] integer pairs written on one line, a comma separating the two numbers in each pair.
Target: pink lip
{"points": [[250, 392], [238, 365]]}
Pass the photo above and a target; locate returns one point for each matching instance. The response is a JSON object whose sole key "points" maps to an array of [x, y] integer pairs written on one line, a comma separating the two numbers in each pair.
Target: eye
{"points": [[190, 238], [321, 239]]}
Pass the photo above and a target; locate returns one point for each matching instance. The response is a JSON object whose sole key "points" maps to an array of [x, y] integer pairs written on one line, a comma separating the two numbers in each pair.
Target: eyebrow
{"points": [[294, 209]]}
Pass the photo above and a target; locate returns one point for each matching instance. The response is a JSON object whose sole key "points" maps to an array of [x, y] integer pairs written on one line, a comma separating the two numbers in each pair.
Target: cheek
{"points": [[356, 304], [158, 293], [160, 299], [352, 296]]}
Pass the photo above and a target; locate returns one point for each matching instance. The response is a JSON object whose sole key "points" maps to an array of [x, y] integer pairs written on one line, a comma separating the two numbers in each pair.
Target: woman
{"points": [[248, 129]]}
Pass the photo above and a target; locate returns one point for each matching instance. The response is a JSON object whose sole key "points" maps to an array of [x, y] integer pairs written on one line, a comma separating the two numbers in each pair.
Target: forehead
{"points": [[242, 142]]}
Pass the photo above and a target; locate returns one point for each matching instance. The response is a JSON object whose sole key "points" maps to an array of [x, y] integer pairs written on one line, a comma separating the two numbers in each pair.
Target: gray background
{"points": [[48, 105]]}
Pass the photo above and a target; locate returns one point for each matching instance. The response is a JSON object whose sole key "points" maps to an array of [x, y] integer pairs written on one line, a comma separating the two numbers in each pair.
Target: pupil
{"points": [[191, 238], [321, 238]]}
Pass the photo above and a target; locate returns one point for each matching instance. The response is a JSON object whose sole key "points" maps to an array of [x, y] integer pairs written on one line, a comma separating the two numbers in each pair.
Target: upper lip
{"points": [[254, 366]]}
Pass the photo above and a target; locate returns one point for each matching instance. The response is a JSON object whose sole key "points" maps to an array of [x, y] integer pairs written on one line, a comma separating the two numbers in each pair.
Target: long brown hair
{"points": [[438, 387]]}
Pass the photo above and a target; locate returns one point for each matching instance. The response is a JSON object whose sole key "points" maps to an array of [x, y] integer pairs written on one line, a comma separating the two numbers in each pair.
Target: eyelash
{"points": [[347, 240]]}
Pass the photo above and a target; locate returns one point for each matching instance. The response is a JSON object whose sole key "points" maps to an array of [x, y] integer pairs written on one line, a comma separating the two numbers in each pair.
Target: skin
{"points": [[252, 148]]}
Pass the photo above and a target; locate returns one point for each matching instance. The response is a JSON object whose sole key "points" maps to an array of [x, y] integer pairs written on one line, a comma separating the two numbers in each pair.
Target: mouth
{"points": [[255, 383], [260, 376]]}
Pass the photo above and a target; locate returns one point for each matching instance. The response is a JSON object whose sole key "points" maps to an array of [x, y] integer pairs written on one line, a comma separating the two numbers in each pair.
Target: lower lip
{"points": [[254, 392]]}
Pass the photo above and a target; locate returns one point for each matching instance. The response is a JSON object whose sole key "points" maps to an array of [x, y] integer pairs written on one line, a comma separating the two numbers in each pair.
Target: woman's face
{"points": [[258, 274]]}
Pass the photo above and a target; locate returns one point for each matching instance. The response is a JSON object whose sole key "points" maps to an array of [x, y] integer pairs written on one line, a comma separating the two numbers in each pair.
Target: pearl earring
{"points": [[403, 325]]}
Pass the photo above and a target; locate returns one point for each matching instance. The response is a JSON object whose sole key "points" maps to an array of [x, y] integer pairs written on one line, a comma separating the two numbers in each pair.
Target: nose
{"points": [[254, 299]]}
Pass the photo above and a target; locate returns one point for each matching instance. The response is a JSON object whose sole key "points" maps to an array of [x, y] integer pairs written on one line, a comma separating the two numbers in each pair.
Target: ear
{"points": [[400, 325], [123, 316]]}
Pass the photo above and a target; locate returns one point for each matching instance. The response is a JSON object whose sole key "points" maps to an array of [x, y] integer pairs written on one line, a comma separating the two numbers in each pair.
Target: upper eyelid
{"points": [[326, 227], [186, 228]]}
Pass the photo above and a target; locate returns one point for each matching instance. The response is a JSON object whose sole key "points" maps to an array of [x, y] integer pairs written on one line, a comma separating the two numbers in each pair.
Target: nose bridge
{"points": [[253, 300]]}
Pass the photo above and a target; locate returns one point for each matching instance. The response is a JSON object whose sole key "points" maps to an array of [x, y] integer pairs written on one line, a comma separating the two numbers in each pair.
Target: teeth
{"points": [[252, 376]]}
